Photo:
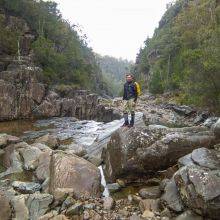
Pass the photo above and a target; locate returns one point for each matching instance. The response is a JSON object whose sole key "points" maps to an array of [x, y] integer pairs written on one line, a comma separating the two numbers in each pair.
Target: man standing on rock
{"points": [[130, 96]]}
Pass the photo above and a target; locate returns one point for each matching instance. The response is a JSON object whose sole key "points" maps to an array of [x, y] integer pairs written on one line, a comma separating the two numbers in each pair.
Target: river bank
{"points": [[54, 168]]}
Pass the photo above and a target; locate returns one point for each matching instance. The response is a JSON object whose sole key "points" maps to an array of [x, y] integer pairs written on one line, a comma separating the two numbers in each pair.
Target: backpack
{"points": [[138, 88]]}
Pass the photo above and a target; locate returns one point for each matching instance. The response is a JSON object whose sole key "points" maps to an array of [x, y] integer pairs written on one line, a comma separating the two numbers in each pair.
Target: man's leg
{"points": [[132, 110], [125, 110]]}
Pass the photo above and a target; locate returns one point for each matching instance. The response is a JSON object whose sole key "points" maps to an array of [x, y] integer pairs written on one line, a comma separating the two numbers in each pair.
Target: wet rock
{"points": [[48, 140], [5, 207], [150, 192], [75, 209], [76, 149], [201, 117], [7, 140], [38, 204], [13, 140], [121, 182], [30, 156], [70, 171], [199, 189], [209, 122], [114, 187], [11, 161], [108, 203], [89, 206], [45, 185], [3, 140], [149, 204], [26, 187], [171, 197], [216, 128], [69, 201], [97, 161], [188, 215], [217, 147], [43, 170]]}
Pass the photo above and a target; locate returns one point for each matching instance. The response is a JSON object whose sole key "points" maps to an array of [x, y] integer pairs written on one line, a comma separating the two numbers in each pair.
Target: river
{"points": [[68, 130]]}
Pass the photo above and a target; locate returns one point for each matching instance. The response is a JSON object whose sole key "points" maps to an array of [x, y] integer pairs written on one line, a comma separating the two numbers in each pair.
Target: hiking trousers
{"points": [[129, 106]]}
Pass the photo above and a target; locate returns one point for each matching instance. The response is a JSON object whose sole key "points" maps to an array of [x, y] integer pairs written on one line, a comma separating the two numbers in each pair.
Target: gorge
{"points": [[63, 152]]}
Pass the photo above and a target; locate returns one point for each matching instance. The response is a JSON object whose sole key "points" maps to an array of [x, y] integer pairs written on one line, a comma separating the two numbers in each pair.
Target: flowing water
{"points": [[67, 129]]}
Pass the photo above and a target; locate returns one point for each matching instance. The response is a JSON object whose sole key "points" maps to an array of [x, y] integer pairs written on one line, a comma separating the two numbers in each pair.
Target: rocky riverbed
{"points": [[166, 167]]}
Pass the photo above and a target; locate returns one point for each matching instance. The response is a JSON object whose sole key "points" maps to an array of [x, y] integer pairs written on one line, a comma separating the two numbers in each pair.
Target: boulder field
{"points": [[177, 169]]}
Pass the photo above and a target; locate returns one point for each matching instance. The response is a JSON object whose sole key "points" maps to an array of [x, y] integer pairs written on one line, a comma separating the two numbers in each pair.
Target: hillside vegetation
{"points": [[183, 54], [114, 71], [58, 49]]}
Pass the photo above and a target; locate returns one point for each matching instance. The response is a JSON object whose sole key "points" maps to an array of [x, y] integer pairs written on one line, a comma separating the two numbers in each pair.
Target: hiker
{"points": [[131, 92]]}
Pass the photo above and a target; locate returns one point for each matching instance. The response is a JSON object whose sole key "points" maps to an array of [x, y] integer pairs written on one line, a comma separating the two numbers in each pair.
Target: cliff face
{"points": [[23, 95]]}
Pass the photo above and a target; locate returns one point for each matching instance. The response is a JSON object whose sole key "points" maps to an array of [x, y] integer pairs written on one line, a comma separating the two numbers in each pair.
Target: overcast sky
{"points": [[115, 27]]}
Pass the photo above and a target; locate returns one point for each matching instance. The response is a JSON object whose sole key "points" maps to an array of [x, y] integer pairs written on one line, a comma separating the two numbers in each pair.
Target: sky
{"points": [[115, 27]]}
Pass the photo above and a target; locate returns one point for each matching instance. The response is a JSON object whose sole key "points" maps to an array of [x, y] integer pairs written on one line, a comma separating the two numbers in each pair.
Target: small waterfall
{"points": [[103, 182]]}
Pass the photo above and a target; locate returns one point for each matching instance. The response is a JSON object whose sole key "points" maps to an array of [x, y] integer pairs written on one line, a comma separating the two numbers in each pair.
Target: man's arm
{"points": [[124, 93], [136, 94]]}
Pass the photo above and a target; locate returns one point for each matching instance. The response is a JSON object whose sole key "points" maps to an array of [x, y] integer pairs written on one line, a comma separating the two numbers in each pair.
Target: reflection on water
{"points": [[17, 128], [131, 189], [2, 168], [20, 127]]}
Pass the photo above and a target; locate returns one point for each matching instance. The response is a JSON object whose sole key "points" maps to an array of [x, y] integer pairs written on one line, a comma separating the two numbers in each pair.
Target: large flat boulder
{"points": [[69, 171], [138, 151]]}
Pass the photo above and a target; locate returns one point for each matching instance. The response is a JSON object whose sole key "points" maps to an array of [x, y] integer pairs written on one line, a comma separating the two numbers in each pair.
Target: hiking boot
{"points": [[126, 123], [130, 126], [132, 121]]}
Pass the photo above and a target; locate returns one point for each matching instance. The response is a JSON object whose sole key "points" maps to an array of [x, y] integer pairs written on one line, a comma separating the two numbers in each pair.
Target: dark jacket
{"points": [[130, 91]]}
